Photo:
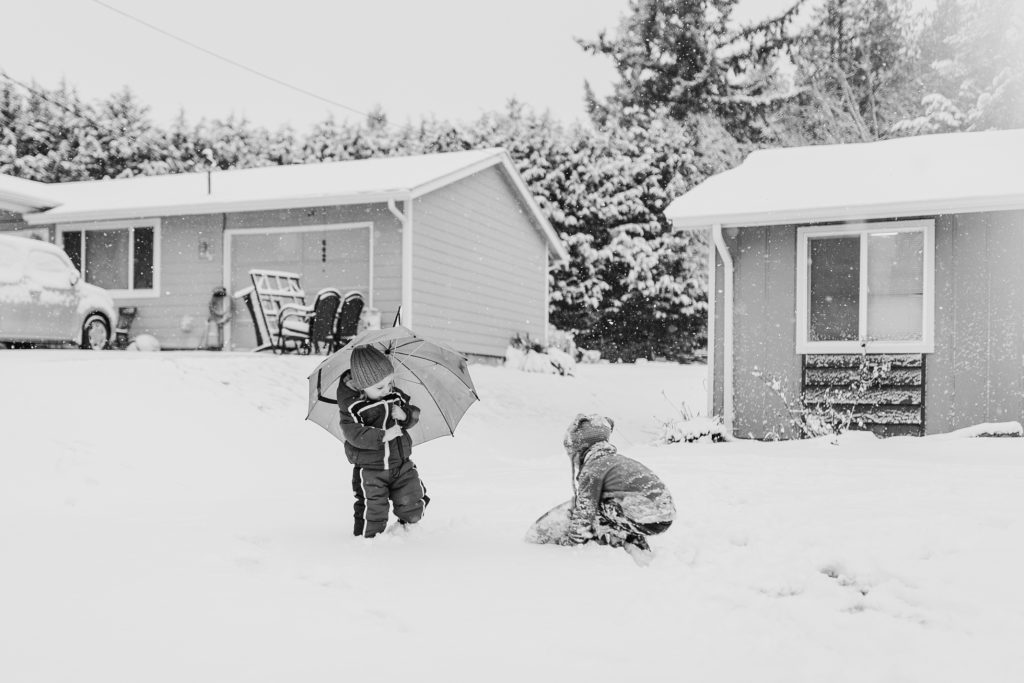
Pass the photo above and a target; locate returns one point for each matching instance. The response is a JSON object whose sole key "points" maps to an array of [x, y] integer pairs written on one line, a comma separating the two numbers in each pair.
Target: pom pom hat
{"points": [[369, 366]]}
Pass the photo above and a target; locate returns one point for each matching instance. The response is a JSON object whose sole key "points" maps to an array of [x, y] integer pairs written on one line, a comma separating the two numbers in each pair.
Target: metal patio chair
{"points": [[310, 329], [347, 324]]}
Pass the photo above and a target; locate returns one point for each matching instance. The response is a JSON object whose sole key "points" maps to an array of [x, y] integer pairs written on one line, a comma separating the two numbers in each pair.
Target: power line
{"points": [[49, 99], [233, 62]]}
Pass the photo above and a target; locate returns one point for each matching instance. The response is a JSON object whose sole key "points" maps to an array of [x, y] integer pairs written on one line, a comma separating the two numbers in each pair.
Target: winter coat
{"points": [[363, 421], [605, 476]]}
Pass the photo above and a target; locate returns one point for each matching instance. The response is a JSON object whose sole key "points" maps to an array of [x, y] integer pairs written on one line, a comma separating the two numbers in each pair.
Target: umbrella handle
{"points": [[319, 395]]}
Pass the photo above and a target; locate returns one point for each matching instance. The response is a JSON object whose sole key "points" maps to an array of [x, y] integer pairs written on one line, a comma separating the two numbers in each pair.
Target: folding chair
{"points": [[347, 325], [310, 329]]}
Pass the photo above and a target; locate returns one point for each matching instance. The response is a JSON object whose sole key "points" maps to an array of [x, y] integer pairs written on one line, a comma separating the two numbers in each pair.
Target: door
{"points": [[336, 257], [54, 316]]}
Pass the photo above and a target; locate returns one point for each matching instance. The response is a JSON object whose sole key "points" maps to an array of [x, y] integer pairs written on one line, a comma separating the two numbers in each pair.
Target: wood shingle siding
{"points": [[479, 266], [893, 404]]}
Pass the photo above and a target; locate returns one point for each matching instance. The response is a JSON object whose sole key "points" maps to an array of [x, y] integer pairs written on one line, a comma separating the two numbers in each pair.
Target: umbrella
{"points": [[435, 377]]}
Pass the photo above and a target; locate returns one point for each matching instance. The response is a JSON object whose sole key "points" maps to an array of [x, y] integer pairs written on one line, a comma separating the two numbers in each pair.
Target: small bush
{"points": [[690, 427]]}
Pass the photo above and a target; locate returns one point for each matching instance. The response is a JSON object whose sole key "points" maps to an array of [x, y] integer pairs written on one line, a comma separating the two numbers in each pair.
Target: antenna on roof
{"points": [[208, 153]]}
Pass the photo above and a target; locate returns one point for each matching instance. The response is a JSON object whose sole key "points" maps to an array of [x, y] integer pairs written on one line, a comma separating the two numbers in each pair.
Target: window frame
{"points": [[154, 223], [862, 229]]}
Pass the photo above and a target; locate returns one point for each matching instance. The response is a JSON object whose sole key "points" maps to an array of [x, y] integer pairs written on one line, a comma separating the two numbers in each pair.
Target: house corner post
{"points": [[727, 327]]}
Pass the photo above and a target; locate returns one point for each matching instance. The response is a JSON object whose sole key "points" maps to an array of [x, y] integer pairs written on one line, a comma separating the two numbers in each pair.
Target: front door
{"points": [[336, 257]]}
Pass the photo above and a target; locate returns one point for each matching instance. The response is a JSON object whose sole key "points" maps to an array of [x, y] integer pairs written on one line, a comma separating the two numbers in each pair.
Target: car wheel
{"points": [[95, 333]]}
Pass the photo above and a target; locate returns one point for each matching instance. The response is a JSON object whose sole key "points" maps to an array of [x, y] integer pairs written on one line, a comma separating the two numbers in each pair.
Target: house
{"points": [[902, 255], [455, 241]]}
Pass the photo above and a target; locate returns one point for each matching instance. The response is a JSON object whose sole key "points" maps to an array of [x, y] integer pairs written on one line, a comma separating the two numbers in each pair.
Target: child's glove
{"points": [[392, 433], [398, 413]]}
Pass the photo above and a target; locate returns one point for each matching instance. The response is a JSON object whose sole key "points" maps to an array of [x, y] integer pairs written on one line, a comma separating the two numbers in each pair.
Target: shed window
{"points": [[120, 257], [866, 287]]}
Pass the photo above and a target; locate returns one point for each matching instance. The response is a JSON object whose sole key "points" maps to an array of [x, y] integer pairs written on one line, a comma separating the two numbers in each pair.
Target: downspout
{"points": [[712, 308], [727, 339], [225, 267], [406, 220]]}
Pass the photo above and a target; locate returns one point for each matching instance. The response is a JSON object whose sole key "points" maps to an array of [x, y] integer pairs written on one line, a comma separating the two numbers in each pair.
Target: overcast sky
{"points": [[452, 59]]}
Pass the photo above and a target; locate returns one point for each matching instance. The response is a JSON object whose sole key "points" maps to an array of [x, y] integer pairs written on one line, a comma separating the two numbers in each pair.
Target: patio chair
{"points": [[347, 324], [271, 291], [310, 328]]}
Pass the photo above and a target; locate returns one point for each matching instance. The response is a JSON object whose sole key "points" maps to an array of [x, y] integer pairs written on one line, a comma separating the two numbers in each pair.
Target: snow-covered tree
{"points": [[856, 73], [682, 58], [973, 52]]}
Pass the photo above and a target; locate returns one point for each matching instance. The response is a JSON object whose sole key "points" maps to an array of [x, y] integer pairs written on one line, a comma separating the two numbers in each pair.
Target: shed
{"points": [[901, 254], [455, 241]]}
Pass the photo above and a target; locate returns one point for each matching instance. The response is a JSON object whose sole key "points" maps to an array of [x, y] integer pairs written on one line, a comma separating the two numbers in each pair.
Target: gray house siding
{"points": [[977, 371], [764, 330], [479, 266], [178, 316], [10, 221]]}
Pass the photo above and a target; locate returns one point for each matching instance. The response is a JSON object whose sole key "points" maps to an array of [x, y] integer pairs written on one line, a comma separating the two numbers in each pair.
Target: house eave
{"points": [[828, 214], [23, 204], [162, 210], [16, 207]]}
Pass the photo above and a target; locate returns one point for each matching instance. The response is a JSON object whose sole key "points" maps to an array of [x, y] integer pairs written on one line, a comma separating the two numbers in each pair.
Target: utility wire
{"points": [[233, 62], [49, 99]]}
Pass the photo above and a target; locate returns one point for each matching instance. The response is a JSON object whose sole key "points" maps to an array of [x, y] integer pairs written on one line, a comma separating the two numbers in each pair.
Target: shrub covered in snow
{"points": [[526, 354], [689, 427]]}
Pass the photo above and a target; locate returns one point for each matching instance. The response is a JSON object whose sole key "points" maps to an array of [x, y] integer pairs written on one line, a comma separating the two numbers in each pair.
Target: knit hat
{"points": [[369, 366], [586, 430]]}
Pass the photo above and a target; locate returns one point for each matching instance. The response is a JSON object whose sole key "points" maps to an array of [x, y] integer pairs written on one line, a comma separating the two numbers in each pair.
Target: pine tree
{"points": [[856, 73], [973, 53], [681, 59]]}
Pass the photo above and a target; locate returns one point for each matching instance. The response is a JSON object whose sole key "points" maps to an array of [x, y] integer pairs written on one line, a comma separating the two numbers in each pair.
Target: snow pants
{"points": [[613, 527], [374, 488]]}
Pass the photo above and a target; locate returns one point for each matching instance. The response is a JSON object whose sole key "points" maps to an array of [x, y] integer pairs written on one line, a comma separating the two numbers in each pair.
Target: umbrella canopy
{"points": [[435, 377]]}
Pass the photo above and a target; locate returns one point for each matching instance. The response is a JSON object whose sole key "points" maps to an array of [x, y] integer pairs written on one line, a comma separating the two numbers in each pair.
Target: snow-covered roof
{"points": [[22, 196], [924, 175], [277, 187]]}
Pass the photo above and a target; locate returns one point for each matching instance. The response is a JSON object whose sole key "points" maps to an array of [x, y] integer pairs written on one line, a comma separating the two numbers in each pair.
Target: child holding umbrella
{"points": [[375, 417]]}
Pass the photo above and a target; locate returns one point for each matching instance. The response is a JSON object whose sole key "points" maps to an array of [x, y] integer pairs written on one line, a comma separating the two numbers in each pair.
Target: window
{"points": [[10, 265], [867, 286], [120, 257], [49, 270]]}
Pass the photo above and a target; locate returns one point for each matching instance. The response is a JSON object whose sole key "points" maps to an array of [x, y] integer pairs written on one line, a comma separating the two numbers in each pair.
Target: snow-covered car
{"points": [[43, 299]]}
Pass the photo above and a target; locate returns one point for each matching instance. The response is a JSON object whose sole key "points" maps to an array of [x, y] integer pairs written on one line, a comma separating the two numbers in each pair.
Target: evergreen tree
{"points": [[681, 59], [856, 73], [973, 53], [125, 143]]}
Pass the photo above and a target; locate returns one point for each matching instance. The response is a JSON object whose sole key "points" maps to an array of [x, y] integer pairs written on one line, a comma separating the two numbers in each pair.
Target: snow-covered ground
{"points": [[171, 517]]}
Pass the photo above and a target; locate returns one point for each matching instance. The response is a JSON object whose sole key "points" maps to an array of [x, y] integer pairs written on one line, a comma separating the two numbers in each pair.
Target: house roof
{"points": [[275, 187], [924, 175], [23, 196]]}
